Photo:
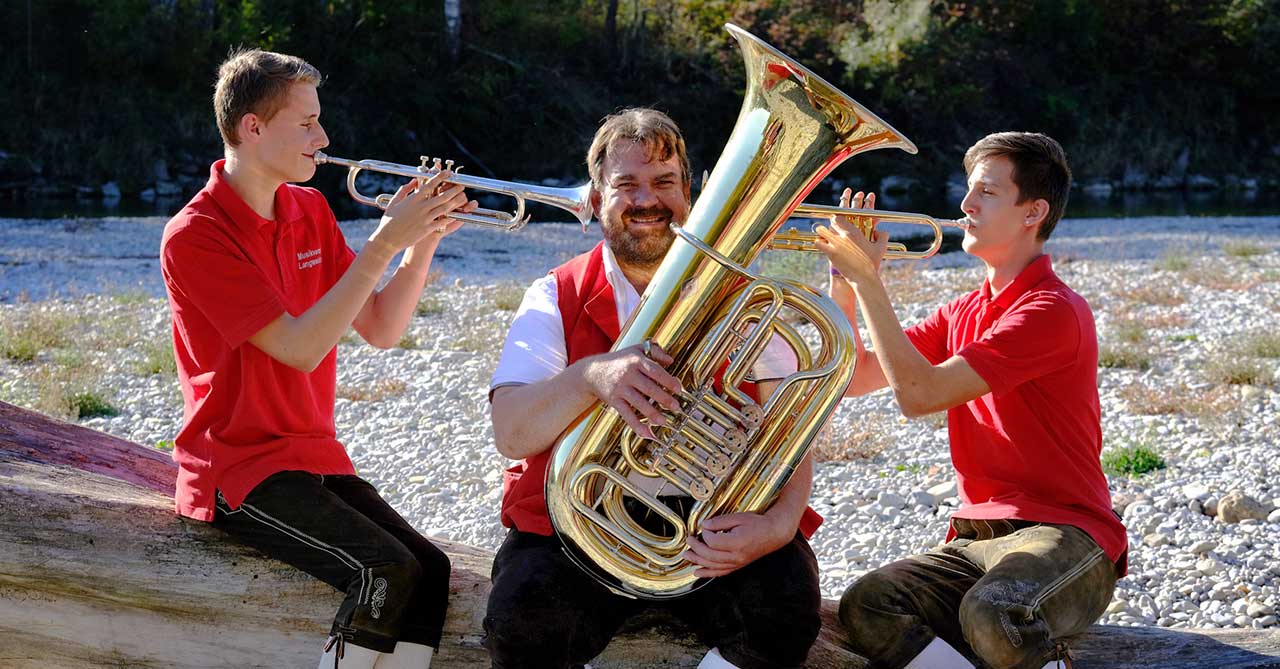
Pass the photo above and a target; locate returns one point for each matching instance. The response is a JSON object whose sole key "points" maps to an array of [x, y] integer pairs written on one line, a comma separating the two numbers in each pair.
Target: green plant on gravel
{"points": [[157, 358], [29, 335], [1261, 344], [430, 305], [91, 405], [1231, 368], [1124, 357], [507, 297], [1174, 260], [1132, 459], [1130, 331], [1243, 249]]}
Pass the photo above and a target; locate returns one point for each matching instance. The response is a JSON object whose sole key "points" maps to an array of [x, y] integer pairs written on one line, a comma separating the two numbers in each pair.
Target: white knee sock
{"points": [[353, 657], [1055, 664], [713, 660], [939, 655], [407, 656]]}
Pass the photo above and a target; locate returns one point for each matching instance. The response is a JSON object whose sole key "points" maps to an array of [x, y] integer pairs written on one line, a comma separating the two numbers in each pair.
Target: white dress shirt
{"points": [[535, 348]]}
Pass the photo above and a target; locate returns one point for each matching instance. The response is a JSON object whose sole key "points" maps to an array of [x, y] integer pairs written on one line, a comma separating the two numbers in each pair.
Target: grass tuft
{"points": [[374, 393], [508, 296], [1243, 249], [1131, 460], [1229, 368], [1124, 357]]}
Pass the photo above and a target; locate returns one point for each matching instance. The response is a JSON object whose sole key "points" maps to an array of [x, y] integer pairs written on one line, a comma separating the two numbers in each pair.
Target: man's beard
{"points": [[644, 248]]}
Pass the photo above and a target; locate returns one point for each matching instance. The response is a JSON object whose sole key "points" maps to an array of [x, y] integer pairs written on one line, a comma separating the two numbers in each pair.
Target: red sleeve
{"points": [[1038, 336], [930, 336], [214, 276]]}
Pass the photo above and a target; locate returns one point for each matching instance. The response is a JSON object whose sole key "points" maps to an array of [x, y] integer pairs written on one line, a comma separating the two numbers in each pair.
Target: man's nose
{"points": [[644, 196]]}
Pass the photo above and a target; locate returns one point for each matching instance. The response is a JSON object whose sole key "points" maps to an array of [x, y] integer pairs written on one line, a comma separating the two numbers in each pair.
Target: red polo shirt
{"points": [[229, 272], [1030, 448]]}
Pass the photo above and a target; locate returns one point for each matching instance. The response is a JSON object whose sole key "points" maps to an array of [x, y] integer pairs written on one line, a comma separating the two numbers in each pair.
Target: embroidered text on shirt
{"points": [[309, 258]]}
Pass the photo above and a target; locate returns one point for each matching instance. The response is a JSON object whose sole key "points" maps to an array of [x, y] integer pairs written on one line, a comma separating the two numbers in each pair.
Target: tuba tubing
{"points": [[723, 449]]}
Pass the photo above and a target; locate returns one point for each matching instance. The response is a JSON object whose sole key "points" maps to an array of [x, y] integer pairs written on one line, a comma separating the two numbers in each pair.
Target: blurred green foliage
{"points": [[99, 89]]}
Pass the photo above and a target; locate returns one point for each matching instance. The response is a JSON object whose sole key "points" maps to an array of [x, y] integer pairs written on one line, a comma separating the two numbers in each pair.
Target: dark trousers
{"points": [[1003, 592], [546, 612], [339, 530]]}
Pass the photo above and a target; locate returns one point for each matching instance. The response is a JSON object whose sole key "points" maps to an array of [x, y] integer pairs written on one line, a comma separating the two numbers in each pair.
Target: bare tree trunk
{"points": [[611, 32], [96, 570], [453, 28]]}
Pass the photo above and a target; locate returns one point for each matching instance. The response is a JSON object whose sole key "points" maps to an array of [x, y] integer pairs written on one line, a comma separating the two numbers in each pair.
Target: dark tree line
{"points": [[98, 90]]}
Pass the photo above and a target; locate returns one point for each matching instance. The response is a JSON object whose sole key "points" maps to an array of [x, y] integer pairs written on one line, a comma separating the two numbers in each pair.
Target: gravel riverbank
{"points": [[1188, 313]]}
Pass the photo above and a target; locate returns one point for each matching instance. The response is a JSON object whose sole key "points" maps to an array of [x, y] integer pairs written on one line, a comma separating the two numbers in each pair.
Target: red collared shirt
{"points": [[1030, 448], [229, 273]]}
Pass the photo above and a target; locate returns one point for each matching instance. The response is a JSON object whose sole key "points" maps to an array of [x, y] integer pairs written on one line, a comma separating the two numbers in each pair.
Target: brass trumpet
{"points": [[795, 240], [576, 201]]}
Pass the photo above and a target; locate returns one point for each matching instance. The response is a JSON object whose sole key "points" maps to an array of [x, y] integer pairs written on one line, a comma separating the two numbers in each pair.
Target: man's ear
{"points": [[1037, 213], [595, 201], [249, 128]]}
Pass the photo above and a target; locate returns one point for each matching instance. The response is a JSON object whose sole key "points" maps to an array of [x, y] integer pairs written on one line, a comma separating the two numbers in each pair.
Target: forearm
{"points": [[906, 371], [793, 498], [867, 375], [391, 308], [304, 341], [528, 419]]}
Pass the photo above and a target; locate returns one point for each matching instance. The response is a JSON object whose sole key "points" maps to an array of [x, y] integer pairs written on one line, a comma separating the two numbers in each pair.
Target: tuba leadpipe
{"points": [[796, 240], [576, 201]]}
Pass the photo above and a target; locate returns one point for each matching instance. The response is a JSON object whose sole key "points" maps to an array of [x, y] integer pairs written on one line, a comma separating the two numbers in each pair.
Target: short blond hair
{"points": [[253, 81], [650, 128]]}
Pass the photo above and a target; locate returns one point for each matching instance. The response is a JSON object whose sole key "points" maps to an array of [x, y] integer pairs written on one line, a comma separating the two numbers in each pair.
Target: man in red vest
{"points": [[762, 610], [1034, 551]]}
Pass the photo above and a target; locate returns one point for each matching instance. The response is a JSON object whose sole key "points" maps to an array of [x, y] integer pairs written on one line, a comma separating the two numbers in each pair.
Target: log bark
{"points": [[96, 570]]}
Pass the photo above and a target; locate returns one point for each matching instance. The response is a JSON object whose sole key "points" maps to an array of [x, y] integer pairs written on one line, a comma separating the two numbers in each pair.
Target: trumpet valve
{"points": [[448, 165], [424, 166], [436, 164]]}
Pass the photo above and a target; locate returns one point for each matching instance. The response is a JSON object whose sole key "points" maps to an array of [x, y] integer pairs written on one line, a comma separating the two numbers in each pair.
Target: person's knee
{"points": [[863, 604], [999, 631], [436, 566]]}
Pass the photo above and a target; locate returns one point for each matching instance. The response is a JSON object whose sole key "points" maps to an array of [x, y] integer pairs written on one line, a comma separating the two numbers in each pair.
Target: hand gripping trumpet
{"points": [[576, 201], [727, 449], [795, 240]]}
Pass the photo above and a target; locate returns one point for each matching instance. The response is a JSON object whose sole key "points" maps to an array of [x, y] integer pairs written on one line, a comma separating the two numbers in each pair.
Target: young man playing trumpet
{"points": [[1034, 552], [762, 609], [261, 286]]}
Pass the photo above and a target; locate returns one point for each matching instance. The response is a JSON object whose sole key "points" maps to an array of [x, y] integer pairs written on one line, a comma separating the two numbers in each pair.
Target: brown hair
{"points": [[650, 128], [1040, 169], [252, 81]]}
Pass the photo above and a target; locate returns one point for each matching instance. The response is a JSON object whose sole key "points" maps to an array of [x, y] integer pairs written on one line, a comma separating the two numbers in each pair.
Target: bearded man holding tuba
{"points": [[544, 611]]}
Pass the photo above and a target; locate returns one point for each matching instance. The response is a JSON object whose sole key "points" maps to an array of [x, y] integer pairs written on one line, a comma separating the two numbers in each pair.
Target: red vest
{"points": [[590, 318]]}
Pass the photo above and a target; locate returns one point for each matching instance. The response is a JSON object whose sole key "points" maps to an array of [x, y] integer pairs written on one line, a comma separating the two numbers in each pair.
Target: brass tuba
{"points": [[728, 452]]}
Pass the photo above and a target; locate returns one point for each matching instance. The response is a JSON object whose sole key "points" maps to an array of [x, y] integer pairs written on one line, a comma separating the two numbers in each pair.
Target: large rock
{"points": [[1237, 506]]}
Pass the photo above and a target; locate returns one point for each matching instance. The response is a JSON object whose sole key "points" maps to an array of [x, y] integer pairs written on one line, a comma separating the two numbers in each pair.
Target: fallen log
{"points": [[96, 570]]}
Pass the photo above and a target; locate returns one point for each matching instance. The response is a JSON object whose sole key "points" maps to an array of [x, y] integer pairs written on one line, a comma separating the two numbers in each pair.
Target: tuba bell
{"points": [[726, 450]]}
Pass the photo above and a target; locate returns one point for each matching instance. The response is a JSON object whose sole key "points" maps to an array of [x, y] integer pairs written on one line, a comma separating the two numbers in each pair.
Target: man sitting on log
{"points": [[262, 285], [1034, 552], [544, 611]]}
